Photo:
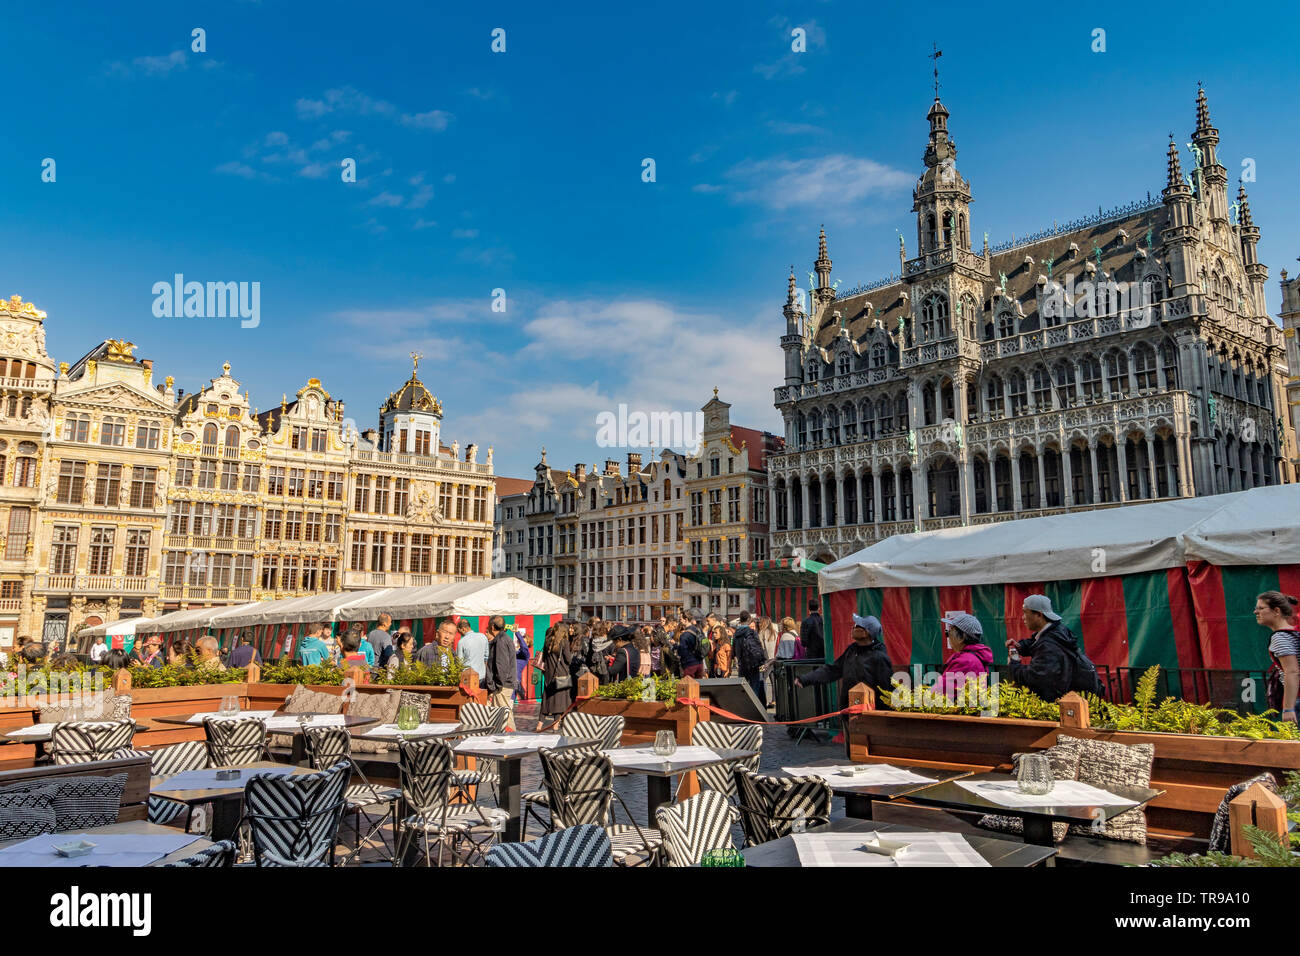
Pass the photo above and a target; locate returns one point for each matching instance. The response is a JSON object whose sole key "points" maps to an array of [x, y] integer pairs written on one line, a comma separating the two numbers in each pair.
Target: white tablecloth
{"points": [[392, 730], [509, 742], [259, 714], [927, 849], [35, 730], [875, 775], [1064, 793], [291, 722], [629, 756], [111, 849]]}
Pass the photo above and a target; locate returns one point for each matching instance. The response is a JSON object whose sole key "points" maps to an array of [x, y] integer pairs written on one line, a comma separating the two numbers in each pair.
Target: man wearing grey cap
{"points": [[1056, 665], [865, 661]]}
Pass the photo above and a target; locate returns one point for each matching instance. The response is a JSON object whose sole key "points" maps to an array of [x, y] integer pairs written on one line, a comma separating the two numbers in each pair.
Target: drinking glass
{"points": [[727, 856], [407, 718], [1034, 774], [665, 743]]}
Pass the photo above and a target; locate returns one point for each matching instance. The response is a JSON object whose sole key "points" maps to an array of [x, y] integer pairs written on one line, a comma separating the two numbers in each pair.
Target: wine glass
{"points": [[1034, 774], [665, 744]]}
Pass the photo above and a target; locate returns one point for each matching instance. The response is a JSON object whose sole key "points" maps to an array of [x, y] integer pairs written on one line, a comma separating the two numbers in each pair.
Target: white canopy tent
{"points": [[122, 627], [1248, 527], [191, 617], [312, 607], [504, 596]]}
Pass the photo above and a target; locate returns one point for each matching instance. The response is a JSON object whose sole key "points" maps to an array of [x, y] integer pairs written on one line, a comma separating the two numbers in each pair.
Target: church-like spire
{"points": [[823, 263], [1243, 214], [1202, 110], [1175, 178], [792, 293]]}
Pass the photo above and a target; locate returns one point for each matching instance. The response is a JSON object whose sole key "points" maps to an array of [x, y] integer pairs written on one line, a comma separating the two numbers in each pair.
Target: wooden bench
{"points": [[135, 792]]}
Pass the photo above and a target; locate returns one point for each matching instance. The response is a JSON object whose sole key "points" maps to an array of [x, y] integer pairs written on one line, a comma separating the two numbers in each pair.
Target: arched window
{"points": [[1144, 365], [969, 316], [801, 430], [1169, 359], [884, 416], [900, 412], [868, 411], [815, 427], [993, 395], [934, 317], [1116, 372], [927, 403], [112, 431], [843, 366], [931, 234], [1063, 372], [1016, 392], [1042, 388], [1090, 377], [850, 422], [947, 228], [812, 371], [833, 425], [877, 356], [209, 437], [1006, 324], [964, 232], [232, 437]]}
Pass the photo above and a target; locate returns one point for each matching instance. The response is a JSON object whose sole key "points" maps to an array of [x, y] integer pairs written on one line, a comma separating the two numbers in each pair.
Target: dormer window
{"points": [[844, 364], [812, 371]]}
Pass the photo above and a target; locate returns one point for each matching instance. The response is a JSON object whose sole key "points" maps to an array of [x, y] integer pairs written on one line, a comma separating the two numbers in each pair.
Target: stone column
{"points": [[921, 494], [1121, 450], [1094, 497], [993, 482], [805, 519], [1042, 481], [876, 501], [1151, 468], [841, 502], [1016, 503], [1067, 477], [966, 475]]}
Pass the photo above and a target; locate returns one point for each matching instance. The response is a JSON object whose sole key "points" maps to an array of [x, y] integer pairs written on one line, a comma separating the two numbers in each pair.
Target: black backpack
{"points": [[1085, 679]]}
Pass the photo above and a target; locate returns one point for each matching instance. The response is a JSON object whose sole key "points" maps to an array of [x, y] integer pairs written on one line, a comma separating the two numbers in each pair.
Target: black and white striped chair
{"points": [[720, 736], [219, 854], [769, 806], [294, 820], [584, 845], [427, 785], [235, 742], [164, 762], [84, 741], [695, 826], [480, 720], [607, 730], [327, 746], [580, 789]]}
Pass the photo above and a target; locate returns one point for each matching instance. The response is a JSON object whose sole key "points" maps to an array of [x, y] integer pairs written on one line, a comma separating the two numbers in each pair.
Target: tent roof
{"points": [[190, 617], [1254, 527], [123, 625], [504, 596], [774, 572], [310, 607]]}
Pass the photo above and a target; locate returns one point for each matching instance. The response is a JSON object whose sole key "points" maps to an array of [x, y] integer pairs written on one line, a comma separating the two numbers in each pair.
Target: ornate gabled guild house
{"points": [[104, 487], [124, 497], [421, 513], [1125, 357]]}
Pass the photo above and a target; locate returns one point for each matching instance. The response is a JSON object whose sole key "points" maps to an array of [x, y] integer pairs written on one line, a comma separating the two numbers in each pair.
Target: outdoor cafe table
{"points": [[105, 854], [860, 792], [226, 797], [1038, 819], [508, 753], [390, 733], [39, 735], [659, 771], [277, 723], [998, 852]]}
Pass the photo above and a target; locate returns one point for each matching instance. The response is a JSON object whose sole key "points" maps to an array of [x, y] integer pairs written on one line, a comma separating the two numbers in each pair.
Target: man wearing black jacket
{"points": [[750, 656], [810, 634], [865, 661], [688, 649], [501, 674], [1053, 648]]}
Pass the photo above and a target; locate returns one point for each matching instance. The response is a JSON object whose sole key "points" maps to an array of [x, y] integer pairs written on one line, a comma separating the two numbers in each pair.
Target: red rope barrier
{"points": [[851, 709]]}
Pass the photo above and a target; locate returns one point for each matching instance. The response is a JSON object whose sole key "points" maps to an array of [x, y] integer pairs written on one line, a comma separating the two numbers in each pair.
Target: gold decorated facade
{"points": [[125, 497]]}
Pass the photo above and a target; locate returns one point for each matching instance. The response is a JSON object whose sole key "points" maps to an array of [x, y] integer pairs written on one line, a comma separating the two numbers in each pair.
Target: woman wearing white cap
{"points": [[971, 657]]}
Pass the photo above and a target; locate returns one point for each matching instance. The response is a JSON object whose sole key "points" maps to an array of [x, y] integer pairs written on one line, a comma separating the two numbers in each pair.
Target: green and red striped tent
{"points": [[782, 586], [1172, 583]]}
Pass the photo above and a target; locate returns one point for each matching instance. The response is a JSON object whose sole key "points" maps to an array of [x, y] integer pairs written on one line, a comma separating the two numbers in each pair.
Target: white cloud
{"points": [[391, 200], [243, 170], [837, 179], [349, 101], [151, 65], [435, 120], [706, 188], [464, 233]]}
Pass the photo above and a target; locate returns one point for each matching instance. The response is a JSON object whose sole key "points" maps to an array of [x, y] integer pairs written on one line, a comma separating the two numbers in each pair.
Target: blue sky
{"points": [[523, 171]]}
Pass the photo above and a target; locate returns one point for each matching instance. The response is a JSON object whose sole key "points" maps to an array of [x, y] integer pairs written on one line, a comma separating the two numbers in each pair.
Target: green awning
{"points": [[772, 573]]}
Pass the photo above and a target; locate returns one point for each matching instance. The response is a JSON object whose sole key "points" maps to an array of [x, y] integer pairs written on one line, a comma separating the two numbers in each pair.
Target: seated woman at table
{"points": [[970, 657]]}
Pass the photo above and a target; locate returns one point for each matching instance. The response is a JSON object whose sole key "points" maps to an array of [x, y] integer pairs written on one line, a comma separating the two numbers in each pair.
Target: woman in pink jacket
{"points": [[970, 656]]}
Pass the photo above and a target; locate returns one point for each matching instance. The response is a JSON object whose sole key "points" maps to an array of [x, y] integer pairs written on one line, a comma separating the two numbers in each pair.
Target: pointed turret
{"points": [[1256, 272], [1211, 176], [1174, 180], [823, 263], [792, 342], [1243, 203], [1179, 234]]}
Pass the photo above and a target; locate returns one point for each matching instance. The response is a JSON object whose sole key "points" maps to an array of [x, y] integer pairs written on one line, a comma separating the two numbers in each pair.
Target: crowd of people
{"points": [[1050, 662]]}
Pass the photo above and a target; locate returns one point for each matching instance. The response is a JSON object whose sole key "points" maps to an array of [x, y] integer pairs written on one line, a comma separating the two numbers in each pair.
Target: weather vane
{"points": [[935, 56], [415, 360]]}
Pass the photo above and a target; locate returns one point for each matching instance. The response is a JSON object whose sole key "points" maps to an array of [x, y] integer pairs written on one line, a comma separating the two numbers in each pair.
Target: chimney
{"points": [[579, 471], [371, 435], [147, 363], [633, 462], [611, 466]]}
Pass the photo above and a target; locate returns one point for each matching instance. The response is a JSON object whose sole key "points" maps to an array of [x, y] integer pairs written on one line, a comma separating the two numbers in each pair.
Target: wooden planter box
{"points": [[1194, 771], [641, 720]]}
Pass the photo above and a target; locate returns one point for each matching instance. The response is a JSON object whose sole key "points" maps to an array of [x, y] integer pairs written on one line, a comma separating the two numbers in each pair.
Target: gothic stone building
{"points": [[1122, 358]]}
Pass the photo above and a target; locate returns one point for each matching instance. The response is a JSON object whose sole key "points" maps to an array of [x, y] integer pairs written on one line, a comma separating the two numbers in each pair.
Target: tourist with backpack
{"points": [[750, 657], [1057, 664], [1276, 611]]}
